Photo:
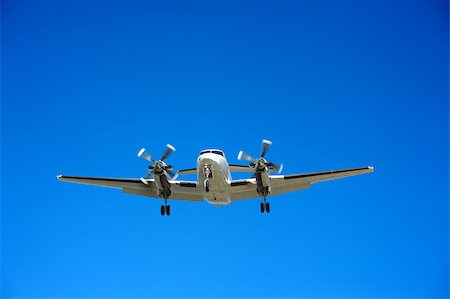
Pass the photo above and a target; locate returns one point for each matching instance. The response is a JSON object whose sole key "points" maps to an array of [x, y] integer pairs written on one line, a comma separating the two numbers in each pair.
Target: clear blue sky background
{"points": [[333, 84]]}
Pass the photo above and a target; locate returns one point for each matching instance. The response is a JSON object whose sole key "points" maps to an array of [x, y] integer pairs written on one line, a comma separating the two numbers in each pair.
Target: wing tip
{"points": [[371, 168], [59, 176]]}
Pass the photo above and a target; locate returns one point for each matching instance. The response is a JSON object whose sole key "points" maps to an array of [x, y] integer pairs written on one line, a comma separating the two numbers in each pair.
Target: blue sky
{"points": [[334, 84]]}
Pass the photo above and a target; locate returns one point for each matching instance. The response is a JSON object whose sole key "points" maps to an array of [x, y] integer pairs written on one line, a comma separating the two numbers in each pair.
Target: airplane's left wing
{"points": [[181, 190], [245, 189]]}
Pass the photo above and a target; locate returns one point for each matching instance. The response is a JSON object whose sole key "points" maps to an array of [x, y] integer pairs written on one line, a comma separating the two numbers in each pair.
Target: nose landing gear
{"points": [[206, 185], [207, 172]]}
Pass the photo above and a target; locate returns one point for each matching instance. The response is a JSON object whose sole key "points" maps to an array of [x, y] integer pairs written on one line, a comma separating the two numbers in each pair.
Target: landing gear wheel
{"points": [[163, 210], [168, 210], [207, 186], [261, 206], [267, 207]]}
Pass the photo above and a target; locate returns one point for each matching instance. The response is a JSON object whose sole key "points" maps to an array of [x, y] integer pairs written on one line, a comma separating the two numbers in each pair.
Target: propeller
{"points": [[159, 166], [261, 163]]}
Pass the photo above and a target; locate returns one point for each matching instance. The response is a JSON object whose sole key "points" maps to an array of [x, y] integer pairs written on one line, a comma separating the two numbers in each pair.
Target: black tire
{"points": [[168, 210], [163, 210], [268, 207], [261, 206]]}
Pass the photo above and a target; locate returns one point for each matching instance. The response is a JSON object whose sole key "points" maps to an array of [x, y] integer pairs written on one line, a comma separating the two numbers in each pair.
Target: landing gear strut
{"points": [[265, 206]]}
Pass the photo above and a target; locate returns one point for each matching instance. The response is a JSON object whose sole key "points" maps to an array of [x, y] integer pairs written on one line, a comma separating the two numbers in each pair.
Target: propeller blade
{"points": [[170, 149], [244, 156], [149, 175], [145, 155], [173, 174], [265, 147], [143, 180], [277, 167]]}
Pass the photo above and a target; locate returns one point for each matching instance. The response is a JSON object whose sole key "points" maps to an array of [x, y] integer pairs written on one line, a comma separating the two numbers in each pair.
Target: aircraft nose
{"points": [[206, 161]]}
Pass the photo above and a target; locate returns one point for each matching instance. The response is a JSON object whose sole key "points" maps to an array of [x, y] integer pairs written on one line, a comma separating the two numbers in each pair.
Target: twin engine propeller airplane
{"points": [[214, 183]]}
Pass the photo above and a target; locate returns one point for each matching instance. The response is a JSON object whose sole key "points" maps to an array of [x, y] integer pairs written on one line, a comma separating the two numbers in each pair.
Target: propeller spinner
{"points": [[261, 163], [159, 166]]}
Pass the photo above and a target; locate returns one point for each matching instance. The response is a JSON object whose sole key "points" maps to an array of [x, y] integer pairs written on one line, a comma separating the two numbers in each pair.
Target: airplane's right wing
{"points": [[182, 190]]}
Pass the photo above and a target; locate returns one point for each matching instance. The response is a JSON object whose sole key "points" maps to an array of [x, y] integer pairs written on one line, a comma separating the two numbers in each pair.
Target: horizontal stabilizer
{"points": [[240, 168], [188, 171]]}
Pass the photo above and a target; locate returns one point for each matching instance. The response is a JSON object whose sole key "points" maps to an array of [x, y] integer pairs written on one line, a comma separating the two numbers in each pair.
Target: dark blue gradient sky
{"points": [[334, 84]]}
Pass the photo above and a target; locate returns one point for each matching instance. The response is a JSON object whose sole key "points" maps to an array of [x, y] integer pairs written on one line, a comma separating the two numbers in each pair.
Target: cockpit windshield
{"points": [[217, 152]]}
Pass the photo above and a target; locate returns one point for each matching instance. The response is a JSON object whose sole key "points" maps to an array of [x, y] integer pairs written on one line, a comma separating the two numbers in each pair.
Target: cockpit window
{"points": [[212, 152], [217, 152]]}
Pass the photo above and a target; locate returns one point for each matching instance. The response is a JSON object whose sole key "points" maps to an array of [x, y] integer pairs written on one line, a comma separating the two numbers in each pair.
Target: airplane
{"points": [[214, 182]]}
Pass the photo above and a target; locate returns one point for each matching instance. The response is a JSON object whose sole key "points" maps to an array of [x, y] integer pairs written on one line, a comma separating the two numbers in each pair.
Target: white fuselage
{"points": [[212, 166]]}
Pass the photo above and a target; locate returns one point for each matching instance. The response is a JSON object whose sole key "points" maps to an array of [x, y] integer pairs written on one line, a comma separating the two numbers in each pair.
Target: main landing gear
{"points": [[165, 208], [265, 206]]}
